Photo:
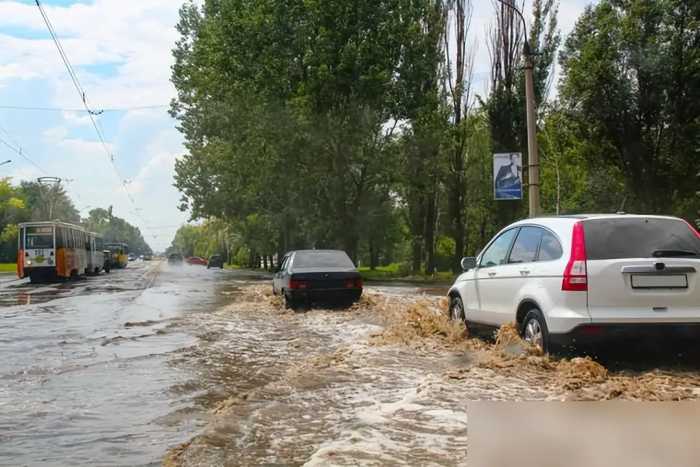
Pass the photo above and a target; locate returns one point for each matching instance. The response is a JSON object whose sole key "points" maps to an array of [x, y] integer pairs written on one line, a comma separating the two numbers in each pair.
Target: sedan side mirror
{"points": [[468, 263]]}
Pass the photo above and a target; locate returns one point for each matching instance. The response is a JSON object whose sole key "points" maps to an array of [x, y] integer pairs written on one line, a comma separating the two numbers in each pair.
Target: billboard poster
{"points": [[507, 176]]}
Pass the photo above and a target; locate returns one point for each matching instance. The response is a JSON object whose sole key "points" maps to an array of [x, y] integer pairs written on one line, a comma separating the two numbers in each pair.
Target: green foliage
{"points": [[31, 201], [13, 210], [116, 229], [343, 124], [48, 203], [631, 83], [291, 148]]}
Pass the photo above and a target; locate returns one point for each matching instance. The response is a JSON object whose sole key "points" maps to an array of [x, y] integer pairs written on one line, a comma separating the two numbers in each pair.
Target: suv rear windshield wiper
{"points": [[672, 253]]}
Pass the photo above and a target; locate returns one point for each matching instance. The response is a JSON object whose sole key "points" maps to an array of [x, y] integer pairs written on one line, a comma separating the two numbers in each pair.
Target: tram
{"points": [[57, 250], [120, 254]]}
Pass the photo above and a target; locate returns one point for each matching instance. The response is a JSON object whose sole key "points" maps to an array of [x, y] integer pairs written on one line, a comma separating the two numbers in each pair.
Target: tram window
{"points": [[39, 237]]}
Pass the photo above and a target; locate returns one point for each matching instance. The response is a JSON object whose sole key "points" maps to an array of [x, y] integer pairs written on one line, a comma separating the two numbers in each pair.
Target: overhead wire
{"points": [[83, 98], [18, 150], [94, 112]]}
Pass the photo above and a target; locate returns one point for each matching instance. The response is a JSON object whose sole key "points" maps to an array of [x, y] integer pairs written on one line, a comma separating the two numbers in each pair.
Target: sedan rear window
{"points": [[638, 237], [322, 259]]}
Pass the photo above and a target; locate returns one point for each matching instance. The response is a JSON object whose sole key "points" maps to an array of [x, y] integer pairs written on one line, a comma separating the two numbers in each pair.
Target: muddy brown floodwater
{"points": [[385, 382], [194, 367]]}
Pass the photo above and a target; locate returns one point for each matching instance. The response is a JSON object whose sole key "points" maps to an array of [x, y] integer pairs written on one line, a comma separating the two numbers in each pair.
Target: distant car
{"points": [[132, 257], [175, 258], [216, 261], [196, 260], [147, 257], [572, 279], [308, 276]]}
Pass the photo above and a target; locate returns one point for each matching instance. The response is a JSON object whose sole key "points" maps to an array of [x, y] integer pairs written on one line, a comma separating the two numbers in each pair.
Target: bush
{"points": [[242, 256]]}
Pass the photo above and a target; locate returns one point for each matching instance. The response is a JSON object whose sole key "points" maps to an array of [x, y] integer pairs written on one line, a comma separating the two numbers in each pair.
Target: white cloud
{"points": [[121, 51], [55, 134]]}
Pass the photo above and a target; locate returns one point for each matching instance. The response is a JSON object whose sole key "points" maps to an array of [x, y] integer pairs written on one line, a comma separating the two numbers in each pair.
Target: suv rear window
{"points": [[322, 259], [637, 237]]}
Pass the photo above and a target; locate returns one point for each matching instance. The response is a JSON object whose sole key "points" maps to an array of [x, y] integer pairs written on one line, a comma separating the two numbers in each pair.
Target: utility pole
{"points": [[533, 167], [53, 183]]}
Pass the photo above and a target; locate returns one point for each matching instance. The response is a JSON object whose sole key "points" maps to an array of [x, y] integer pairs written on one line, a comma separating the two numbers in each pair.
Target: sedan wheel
{"points": [[289, 303], [456, 309]]}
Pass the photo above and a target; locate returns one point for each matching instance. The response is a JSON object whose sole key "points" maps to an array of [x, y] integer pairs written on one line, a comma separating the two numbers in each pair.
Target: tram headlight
{"points": [[29, 262]]}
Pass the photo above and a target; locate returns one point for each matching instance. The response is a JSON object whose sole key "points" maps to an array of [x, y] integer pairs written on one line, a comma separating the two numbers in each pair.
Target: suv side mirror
{"points": [[468, 263]]}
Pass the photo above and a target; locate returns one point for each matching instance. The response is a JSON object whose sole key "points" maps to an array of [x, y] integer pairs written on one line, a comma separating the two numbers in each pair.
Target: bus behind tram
{"points": [[120, 254]]}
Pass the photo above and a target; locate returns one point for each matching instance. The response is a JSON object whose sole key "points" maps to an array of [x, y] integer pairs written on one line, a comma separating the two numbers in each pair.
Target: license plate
{"points": [[666, 281]]}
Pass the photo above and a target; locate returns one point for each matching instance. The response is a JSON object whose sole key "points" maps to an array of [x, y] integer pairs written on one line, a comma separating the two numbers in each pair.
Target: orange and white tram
{"points": [[57, 250]]}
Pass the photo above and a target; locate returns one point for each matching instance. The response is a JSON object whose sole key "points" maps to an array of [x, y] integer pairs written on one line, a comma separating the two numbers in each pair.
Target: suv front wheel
{"points": [[456, 308]]}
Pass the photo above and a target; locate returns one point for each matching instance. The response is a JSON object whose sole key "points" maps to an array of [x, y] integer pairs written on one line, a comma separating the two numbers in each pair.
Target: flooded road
{"points": [[86, 374], [189, 366]]}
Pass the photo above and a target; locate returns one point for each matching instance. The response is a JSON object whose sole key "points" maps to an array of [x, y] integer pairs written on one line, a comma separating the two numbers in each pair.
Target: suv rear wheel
{"points": [[535, 331]]}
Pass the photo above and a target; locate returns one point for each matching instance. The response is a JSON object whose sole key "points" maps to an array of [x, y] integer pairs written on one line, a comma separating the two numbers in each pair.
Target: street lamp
{"points": [[533, 168], [6, 162]]}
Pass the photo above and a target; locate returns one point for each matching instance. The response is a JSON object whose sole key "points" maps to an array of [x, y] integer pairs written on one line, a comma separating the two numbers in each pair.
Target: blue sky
{"points": [[120, 50]]}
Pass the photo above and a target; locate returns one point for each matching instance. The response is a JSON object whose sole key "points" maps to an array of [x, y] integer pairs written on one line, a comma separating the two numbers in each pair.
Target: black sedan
{"points": [[308, 276], [215, 261], [175, 258]]}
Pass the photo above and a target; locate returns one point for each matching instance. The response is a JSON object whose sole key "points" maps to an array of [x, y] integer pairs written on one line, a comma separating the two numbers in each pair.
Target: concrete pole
{"points": [[533, 168]]}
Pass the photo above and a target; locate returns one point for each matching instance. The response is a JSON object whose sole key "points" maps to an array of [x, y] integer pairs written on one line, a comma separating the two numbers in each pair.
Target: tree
{"points": [[116, 229], [458, 80], [13, 210], [287, 109], [49, 202], [631, 81]]}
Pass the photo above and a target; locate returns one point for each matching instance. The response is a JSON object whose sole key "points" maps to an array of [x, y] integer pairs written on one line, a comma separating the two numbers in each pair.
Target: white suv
{"points": [[563, 279]]}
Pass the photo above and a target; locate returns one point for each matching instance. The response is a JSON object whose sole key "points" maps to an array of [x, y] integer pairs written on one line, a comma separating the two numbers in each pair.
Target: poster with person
{"points": [[507, 176]]}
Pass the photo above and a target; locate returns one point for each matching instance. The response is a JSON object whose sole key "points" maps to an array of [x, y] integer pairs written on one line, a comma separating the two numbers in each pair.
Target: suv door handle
{"points": [[524, 272], [491, 274]]}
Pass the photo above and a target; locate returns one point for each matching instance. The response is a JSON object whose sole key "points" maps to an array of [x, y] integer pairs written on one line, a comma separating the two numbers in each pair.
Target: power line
{"points": [[18, 151], [94, 112], [17, 148], [83, 98]]}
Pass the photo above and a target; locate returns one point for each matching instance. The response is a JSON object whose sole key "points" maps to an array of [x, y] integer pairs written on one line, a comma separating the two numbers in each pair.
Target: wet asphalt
{"points": [[86, 375], [117, 369]]}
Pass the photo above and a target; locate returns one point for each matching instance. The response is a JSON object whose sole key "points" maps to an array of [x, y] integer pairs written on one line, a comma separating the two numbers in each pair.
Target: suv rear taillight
{"points": [[693, 229], [575, 274]]}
